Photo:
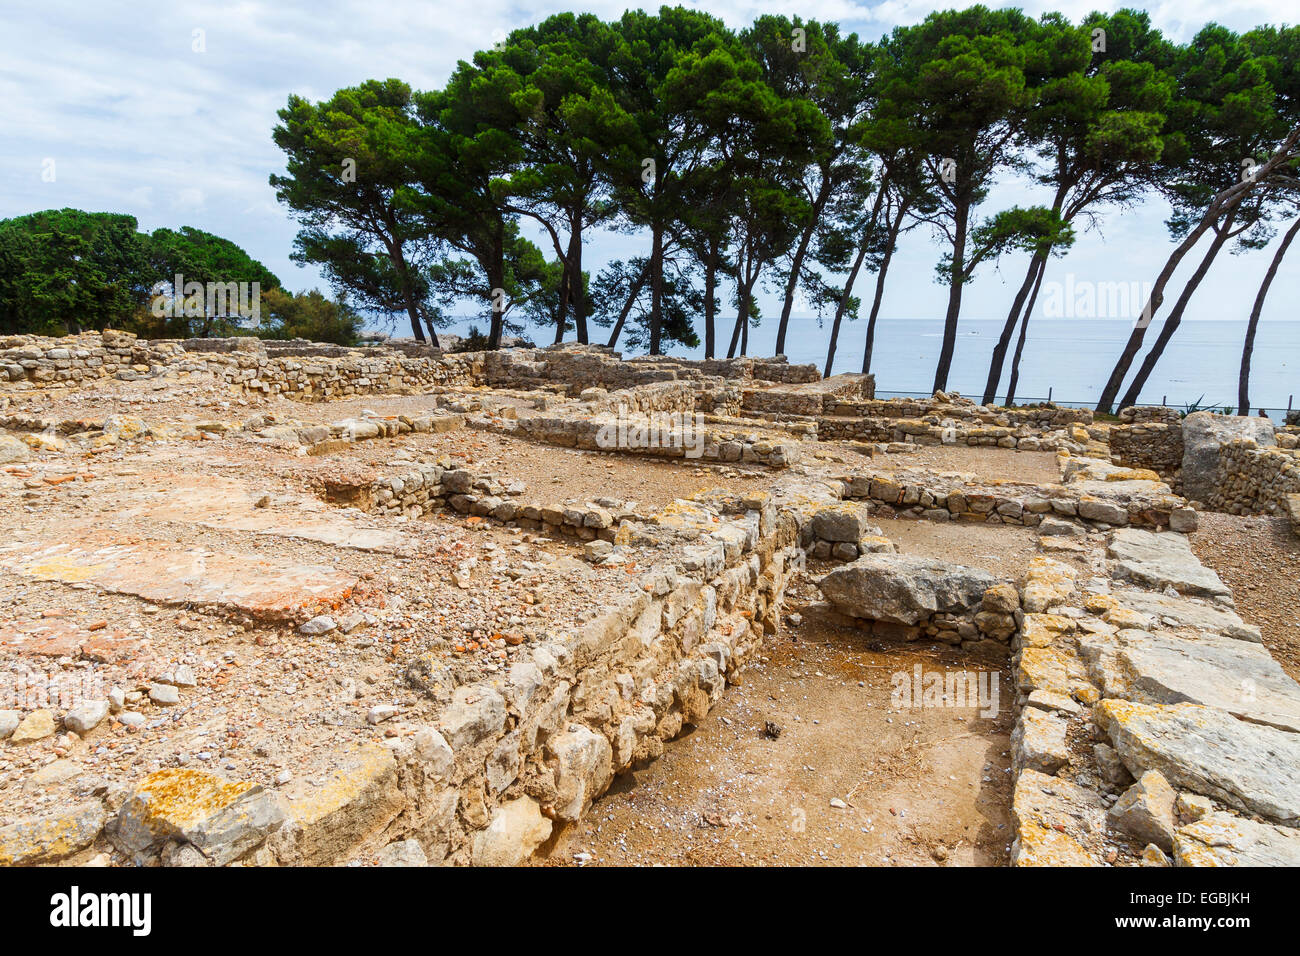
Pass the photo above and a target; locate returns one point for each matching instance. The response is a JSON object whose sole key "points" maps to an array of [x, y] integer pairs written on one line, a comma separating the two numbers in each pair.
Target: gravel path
{"points": [[1259, 558]]}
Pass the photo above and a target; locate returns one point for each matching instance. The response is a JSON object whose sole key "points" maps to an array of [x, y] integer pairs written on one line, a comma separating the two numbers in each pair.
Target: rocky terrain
{"points": [[377, 607]]}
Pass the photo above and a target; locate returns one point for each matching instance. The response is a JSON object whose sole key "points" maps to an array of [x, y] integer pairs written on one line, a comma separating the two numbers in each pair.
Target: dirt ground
{"points": [[566, 474], [1259, 558], [995, 464], [997, 548], [919, 786]]}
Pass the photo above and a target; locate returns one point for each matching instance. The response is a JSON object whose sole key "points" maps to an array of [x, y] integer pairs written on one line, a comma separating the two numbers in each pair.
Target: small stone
{"points": [[771, 730], [352, 622], [596, 550], [183, 676], [1154, 856], [321, 624], [381, 712], [116, 700], [9, 720], [1192, 807], [55, 772], [131, 719], [1111, 767], [86, 716], [838, 804], [37, 725], [164, 694]]}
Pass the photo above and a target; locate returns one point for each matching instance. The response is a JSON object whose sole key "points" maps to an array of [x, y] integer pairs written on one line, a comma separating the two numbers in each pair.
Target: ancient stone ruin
{"points": [[284, 603]]}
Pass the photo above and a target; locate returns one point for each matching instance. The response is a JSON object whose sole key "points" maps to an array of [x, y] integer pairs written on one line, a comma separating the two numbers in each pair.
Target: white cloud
{"points": [[139, 122]]}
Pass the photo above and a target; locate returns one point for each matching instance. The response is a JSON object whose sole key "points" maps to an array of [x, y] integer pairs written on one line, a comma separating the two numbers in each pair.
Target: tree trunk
{"points": [[742, 315], [408, 292], [890, 240], [637, 286], [496, 280], [954, 300], [577, 294], [843, 304], [1175, 317], [840, 308], [796, 261], [710, 290], [564, 303], [1223, 203], [1004, 340], [1243, 380], [1024, 330], [656, 290]]}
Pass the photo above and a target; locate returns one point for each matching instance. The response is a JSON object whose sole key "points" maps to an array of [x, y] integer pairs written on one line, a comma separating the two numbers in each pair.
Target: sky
{"points": [[164, 110]]}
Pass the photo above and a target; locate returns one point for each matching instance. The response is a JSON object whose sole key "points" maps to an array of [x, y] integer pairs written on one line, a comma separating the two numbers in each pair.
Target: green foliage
{"points": [[308, 315], [66, 270]]}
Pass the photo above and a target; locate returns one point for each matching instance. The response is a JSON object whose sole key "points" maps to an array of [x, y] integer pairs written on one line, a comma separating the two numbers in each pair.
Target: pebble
{"points": [[381, 712], [321, 624], [164, 694]]}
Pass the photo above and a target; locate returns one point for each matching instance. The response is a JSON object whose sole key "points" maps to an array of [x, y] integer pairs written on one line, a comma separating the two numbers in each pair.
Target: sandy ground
{"points": [[997, 548], [1259, 558], [919, 786], [1004, 464]]}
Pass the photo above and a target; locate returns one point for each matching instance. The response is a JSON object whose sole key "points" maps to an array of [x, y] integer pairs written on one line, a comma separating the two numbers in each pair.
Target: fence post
{"points": [[1049, 394]]}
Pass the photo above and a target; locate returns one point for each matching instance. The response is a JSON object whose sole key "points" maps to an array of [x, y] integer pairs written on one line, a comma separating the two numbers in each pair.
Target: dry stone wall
{"points": [[1255, 480]]}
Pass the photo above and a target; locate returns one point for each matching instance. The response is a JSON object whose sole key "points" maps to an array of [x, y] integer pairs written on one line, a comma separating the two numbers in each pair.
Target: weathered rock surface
{"points": [[86, 716], [583, 768], [37, 725], [331, 819], [1190, 612], [517, 829], [165, 573], [1205, 750], [1237, 676], [1038, 742], [1054, 819], [1220, 839], [904, 590], [223, 820], [47, 839], [1161, 560], [1145, 811], [402, 854]]}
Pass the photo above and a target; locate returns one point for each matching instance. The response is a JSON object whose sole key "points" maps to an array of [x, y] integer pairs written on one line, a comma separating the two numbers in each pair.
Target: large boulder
{"points": [[1161, 560], [902, 589], [1248, 766], [1204, 434]]}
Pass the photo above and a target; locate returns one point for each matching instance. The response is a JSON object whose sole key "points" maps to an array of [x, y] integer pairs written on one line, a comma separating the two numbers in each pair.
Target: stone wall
{"points": [[658, 435], [1255, 480], [934, 499], [1040, 416], [319, 371], [1140, 414], [510, 762], [1149, 443], [905, 598], [927, 431], [809, 398]]}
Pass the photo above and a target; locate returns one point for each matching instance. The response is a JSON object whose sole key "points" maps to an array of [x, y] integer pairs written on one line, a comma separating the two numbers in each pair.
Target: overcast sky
{"points": [[164, 110]]}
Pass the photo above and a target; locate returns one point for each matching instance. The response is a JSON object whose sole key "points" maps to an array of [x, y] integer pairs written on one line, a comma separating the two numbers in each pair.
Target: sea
{"points": [[1066, 360]]}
